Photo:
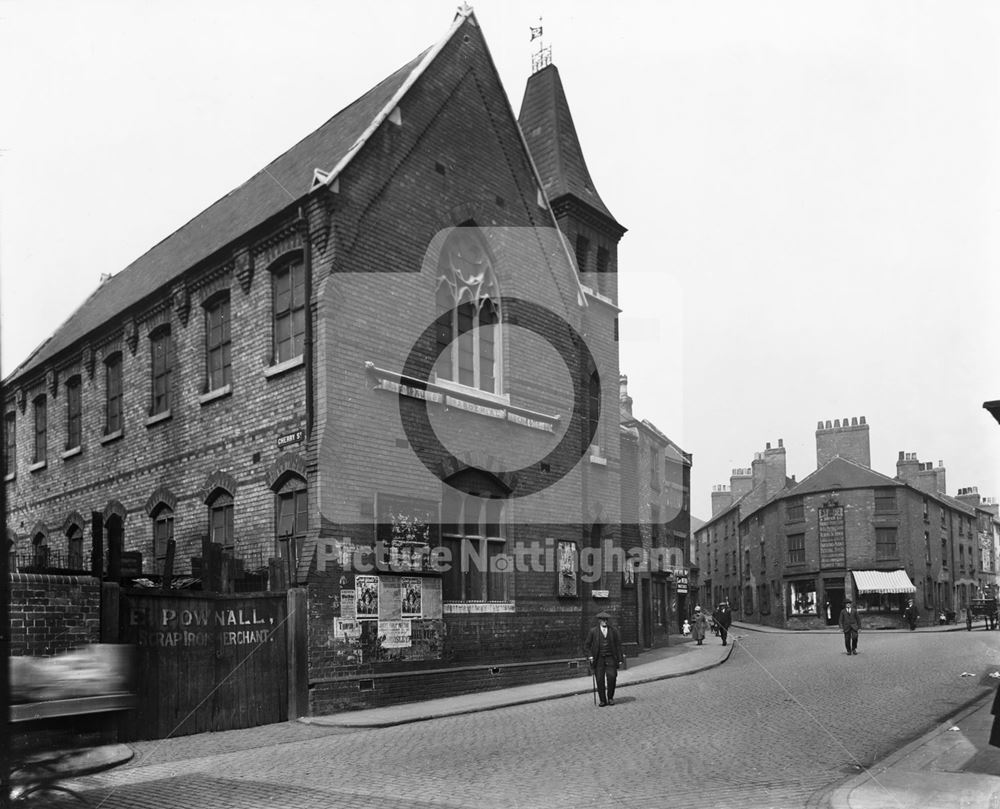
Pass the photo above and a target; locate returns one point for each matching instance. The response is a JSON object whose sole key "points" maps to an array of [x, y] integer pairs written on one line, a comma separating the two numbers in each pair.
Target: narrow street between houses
{"points": [[786, 716]]}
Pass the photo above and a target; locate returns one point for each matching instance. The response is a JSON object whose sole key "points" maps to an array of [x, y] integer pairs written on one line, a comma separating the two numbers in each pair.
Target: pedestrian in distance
{"points": [[723, 619], [699, 626], [911, 614], [850, 625], [604, 654]]}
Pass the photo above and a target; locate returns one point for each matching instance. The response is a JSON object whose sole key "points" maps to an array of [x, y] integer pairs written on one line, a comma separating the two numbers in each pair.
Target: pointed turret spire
{"points": [[548, 128]]}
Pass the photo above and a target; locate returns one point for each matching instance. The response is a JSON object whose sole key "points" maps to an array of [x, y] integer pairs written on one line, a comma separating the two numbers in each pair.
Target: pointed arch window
{"points": [[40, 550], [74, 544], [163, 532], [468, 306], [220, 520], [291, 513]]}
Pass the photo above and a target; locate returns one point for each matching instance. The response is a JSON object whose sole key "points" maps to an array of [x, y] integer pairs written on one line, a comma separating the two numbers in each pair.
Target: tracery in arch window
{"points": [[468, 307]]}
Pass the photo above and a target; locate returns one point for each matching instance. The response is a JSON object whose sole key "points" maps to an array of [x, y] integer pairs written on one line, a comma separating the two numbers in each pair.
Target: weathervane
{"points": [[543, 56]]}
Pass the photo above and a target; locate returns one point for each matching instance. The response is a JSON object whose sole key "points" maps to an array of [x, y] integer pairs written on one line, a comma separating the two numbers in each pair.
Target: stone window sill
{"points": [[280, 368], [37, 467], [110, 437], [462, 398], [212, 395], [9, 477], [158, 417], [72, 453]]}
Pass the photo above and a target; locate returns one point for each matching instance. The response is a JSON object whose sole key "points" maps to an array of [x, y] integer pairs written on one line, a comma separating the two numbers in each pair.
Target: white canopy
{"points": [[882, 581]]}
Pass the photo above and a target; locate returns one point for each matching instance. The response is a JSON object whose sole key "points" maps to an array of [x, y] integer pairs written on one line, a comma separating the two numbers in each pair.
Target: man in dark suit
{"points": [[850, 625], [723, 619], [604, 653]]}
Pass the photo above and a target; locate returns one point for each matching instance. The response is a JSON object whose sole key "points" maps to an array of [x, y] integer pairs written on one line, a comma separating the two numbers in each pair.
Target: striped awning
{"points": [[882, 581]]}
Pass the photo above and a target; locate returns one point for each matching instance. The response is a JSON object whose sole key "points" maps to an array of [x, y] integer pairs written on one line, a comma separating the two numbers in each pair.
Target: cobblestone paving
{"points": [[786, 716]]}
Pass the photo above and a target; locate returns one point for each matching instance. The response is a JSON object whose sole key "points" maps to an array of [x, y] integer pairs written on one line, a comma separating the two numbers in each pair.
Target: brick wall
{"points": [[53, 614]]}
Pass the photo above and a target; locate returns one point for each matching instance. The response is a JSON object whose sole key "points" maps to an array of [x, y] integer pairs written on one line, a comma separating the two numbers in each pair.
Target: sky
{"points": [[811, 190]]}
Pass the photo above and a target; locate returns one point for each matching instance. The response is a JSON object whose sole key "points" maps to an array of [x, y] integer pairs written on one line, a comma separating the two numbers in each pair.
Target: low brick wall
{"points": [[51, 614], [378, 690]]}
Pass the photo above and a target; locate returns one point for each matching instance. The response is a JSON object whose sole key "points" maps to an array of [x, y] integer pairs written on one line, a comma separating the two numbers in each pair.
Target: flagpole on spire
{"points": [[543, 56]]}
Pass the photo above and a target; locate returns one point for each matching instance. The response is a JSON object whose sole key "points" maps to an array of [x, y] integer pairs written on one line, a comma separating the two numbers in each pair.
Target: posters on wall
{"points": [[346, 629], [395, 634], [347, 605], [412, 592], [366, 597]]}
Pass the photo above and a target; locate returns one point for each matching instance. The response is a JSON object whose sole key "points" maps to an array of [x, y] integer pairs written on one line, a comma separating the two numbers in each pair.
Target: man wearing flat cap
{"points": [[604, 653]]}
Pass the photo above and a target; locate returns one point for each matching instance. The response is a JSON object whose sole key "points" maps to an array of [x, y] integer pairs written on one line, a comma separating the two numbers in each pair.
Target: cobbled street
{"points": [[787, 715]]}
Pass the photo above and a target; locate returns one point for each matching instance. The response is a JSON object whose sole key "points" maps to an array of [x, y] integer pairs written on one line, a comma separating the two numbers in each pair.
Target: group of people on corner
{"points": [[722, 619]]}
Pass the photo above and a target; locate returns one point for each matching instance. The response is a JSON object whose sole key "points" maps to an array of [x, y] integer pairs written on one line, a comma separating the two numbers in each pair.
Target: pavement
{"points": [[952, 765], [681, 658]]}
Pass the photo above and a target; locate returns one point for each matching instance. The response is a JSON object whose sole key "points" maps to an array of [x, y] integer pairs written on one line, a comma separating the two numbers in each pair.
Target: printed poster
{"points": [[366, 597], [347, 605], [412, 601], [389, 598], [394, 634], [346, 629]]}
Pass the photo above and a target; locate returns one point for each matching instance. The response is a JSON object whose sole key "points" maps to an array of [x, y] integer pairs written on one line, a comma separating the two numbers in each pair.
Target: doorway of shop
{"points": [[834, 602]]}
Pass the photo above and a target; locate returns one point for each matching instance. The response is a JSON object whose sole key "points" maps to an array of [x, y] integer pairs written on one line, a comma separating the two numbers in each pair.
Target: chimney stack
{"points": [[741, 482], [722, 498], [848, 439]]}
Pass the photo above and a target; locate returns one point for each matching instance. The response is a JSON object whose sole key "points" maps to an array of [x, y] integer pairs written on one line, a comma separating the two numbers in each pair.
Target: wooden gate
{"points": [[206, 662]]}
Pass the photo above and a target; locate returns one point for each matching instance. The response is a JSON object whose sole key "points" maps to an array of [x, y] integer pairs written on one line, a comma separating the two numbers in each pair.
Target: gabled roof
{"points": [[283, 182], [840, 473], [548, 128]]}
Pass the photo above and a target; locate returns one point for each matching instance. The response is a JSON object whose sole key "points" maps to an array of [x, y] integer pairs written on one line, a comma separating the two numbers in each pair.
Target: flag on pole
{"points": [[535, 33]]}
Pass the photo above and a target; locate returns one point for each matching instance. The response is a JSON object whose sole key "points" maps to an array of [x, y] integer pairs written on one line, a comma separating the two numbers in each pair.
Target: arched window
{"points": [[474, 533], [291, 513], [468, 306], [220, 520], [40, 550], [288, 290], [163, 532], [74, 544]]}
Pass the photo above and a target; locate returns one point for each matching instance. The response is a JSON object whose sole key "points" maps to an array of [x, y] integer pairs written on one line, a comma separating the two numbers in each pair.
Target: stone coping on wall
{"points": [[52, 578]]}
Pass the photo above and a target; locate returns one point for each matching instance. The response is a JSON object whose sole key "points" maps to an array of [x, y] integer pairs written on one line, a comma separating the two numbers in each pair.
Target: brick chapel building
{"points": [[787, 553], [402, 331]]}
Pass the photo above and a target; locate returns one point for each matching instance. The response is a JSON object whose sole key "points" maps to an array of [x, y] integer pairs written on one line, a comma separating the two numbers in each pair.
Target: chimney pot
{"points": [[901, 455], [768, 445], [862, 419], [781, 442], [836, 423], [828, 425], [819, 425], [854, 421]]}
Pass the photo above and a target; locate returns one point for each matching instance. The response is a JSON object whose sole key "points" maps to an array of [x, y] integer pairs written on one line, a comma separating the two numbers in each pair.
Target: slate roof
{"points": [[548, 128], [840, 473], [281, 183]]}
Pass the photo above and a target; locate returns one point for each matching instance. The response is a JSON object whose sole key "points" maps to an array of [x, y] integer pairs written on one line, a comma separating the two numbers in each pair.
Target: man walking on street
{"points": [[850, 625], [604, 654], [723, 619], [911, 614]]}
